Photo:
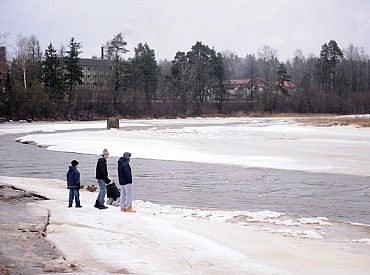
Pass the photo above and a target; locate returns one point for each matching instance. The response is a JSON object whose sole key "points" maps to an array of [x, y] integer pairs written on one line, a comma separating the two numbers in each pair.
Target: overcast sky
{"points": [[242, 26]]}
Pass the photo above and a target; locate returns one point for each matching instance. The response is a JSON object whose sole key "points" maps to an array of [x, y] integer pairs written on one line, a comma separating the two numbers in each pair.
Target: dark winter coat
{"points": [[124, 171], [112, 191], [102, 170], [73, 178]]}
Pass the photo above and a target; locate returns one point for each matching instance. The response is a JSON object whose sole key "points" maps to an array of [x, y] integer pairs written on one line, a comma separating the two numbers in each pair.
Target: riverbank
{"points": [[23, 247], [154, 240]]}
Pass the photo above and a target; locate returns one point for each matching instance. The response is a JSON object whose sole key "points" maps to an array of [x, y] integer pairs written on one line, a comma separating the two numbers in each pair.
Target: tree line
{"points": [[49, 84]]}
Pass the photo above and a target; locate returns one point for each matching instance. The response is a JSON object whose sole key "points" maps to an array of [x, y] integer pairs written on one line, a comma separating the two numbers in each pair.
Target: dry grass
{"points": [[266, 114], [337, 120], [292, 115]]}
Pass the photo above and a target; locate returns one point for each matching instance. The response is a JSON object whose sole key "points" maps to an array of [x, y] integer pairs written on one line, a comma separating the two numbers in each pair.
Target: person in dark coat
{"points": [[73, 184], [102, 178], [125, 180]]}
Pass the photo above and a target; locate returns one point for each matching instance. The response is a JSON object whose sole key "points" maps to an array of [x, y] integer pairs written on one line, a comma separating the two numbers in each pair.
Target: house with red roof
{"points": [[239, 89]]}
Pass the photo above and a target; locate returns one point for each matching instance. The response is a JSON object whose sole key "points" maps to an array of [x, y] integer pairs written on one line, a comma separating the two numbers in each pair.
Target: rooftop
{"points": [[91, 62]]}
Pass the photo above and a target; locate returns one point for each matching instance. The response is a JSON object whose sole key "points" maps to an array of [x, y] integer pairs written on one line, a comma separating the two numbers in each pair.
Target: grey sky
{"points": [[242, 26]]}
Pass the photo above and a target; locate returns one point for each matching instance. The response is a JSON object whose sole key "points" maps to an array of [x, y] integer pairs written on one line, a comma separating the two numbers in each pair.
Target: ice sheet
{"points": [[269, 143]]}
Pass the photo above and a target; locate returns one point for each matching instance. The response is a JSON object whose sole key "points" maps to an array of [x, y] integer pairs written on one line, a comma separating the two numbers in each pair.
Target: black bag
{"points": [[112, 191]]}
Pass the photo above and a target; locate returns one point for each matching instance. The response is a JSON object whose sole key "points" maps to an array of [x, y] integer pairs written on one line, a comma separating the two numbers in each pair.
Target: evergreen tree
{"points": [[74, 74], [201, 57], [52, 74], [282, 78], [116, 47], [325, 70], [219, 77], [335, 55], [145, 70], [199, 73], [182, 75], [330, 57]]}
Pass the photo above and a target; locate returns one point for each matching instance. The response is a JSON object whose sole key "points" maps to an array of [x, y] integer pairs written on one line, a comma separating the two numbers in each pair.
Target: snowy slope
{"points": [[161, 240]]}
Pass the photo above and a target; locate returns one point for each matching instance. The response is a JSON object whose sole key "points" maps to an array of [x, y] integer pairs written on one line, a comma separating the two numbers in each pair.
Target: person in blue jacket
{"points": [[125, 180], [73, 184]]}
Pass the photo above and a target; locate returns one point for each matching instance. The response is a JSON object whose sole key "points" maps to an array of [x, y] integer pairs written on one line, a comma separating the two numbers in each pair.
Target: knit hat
{"points": [[105, 152], [127, 155], [74, 162]]}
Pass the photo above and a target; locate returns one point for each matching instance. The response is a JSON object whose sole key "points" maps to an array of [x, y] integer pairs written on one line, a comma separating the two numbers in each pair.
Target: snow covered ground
{"points": [[279, 143], [168, 240]]}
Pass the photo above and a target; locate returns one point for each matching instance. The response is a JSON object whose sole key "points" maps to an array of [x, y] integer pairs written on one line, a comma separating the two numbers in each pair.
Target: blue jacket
{"points": [[73, 178], [124, 171]]}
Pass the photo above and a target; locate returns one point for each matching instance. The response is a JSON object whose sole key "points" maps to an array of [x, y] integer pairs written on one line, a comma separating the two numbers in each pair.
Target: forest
{"points": [[48, 84]]}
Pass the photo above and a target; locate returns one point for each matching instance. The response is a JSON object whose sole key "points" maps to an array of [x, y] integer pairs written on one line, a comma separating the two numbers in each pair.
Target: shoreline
{"points": [[24, 248], [151, 237]]}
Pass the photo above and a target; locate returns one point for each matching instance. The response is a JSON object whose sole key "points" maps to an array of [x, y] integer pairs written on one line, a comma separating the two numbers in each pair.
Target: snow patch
{"points": [[364, 241], [318, 220]]}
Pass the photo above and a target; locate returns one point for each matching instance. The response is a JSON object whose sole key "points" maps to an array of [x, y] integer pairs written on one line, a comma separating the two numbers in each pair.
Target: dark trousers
{"points": [[74, 194]]}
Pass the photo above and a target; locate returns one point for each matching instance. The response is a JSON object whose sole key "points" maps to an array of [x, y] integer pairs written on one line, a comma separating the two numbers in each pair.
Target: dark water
{"points": [[203, 185]]}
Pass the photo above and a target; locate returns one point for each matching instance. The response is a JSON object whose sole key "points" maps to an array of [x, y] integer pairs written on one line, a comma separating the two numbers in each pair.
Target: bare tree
{"points": [[268, 56], [34, 48], [22, 56], [3, 38]]}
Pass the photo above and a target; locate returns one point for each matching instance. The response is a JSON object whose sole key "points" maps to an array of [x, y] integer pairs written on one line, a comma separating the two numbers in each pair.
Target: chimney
{"points": [[102, 52]]}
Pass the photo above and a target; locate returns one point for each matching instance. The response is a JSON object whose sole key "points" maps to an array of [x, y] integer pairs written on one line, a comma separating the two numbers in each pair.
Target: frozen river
{"points": [[242, 196], [208, 181]]}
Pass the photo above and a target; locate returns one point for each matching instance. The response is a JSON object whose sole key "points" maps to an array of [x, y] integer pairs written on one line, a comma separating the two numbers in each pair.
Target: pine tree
{"points": [[52, 74], [182, 76], [145, 70], [335, 55], [74, 74], [325, 70], [200, 57], [219, 77], [330, 56], [117, 47]]}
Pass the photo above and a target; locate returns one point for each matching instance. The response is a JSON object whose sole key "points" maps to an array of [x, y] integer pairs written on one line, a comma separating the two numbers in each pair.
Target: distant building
{"points": [[238, 89], [287, 85], [97, 72], [3, 68]]}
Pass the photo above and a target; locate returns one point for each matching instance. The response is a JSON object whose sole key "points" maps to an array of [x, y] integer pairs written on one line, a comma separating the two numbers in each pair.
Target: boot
{"points": [[123, 209], [78, 206], [102, 206], [130, 210], [70, 205], [97, 204]]}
